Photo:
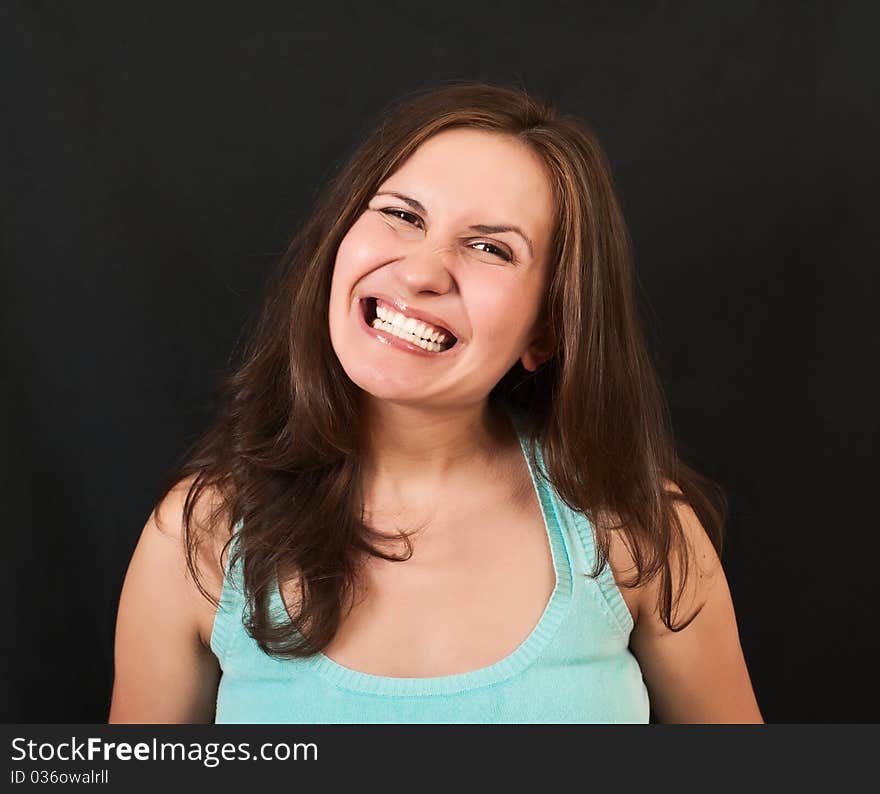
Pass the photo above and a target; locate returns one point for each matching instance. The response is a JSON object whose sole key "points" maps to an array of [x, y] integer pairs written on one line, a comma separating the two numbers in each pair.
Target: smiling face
{"points": [[437, 253]]}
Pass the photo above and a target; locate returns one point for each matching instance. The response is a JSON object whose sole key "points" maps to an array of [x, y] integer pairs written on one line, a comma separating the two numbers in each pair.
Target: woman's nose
{"points": [[426, 271]]}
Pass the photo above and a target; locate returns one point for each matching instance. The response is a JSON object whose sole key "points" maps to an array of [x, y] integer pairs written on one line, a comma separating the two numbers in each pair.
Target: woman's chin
{"points": [[382, 387]]}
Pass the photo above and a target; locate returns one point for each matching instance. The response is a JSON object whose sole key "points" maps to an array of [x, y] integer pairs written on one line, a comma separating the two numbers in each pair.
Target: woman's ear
{"points": [[539, 350]]}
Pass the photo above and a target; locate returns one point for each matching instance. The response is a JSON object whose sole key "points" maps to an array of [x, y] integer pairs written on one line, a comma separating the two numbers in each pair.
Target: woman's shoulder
{"points": [[642, 599], [207, 536], [164, 668]]}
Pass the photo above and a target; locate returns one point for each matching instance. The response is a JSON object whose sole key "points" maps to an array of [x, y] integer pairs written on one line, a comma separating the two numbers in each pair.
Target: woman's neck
{"points": [[424, 448]]}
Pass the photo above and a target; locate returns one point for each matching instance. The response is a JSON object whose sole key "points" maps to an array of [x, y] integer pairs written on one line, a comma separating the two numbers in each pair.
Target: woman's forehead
{"points": [[476, 172]]}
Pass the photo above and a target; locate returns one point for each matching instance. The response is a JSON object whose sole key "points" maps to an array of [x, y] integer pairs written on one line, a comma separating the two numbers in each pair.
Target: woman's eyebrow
{"points": [[480, 227]]}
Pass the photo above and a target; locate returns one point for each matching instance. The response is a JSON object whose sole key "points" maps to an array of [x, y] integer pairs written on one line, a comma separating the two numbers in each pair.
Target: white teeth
{"points": [[408, 328], [432, 347]]}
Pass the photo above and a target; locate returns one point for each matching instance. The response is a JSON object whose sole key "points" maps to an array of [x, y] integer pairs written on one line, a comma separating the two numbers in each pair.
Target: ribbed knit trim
{"points": [[229, 607], [516, 662], [613, 601]]}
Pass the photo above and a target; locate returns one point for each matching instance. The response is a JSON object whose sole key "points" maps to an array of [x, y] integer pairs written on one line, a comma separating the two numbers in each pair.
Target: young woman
{"points": [[442, 486]]}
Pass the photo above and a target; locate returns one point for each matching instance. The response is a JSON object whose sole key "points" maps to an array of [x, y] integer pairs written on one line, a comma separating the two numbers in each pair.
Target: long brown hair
{"points": [[283, 455]]}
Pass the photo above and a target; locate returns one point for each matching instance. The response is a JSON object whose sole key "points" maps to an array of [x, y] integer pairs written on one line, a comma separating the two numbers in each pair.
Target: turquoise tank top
{"points": [[574, 667]]}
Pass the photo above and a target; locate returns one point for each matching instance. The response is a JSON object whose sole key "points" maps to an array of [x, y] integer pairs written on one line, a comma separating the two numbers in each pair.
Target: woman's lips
{"points": [[391, 340]]}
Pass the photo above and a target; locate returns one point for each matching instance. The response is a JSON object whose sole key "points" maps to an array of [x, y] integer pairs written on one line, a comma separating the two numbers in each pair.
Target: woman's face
{"points": [[435, 263]]}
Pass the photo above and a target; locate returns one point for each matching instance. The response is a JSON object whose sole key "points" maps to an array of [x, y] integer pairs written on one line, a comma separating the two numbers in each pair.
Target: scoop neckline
{"points": [[509, 666]]}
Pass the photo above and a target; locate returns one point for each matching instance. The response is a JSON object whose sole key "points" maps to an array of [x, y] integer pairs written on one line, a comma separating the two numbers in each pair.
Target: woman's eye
{"points": [[397, 213], [496, 251]]}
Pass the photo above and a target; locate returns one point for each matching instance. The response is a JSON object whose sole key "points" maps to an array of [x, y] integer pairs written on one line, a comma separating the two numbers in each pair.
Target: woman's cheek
{"points": [[493, 304], [368, 243]]}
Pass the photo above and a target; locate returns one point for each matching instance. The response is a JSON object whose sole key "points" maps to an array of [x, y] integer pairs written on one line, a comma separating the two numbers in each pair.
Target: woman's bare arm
{"points": [[164, 671], [699, 674]]}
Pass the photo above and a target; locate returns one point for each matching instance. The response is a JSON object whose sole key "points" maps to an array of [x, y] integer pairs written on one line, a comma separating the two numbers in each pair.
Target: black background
{"points": [[154, 158]]}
